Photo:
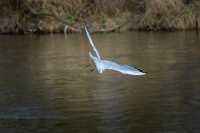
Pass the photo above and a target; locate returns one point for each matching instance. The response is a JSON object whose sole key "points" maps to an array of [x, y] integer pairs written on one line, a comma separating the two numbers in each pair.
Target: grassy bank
{"points": [[170, 15], [50, 16]]}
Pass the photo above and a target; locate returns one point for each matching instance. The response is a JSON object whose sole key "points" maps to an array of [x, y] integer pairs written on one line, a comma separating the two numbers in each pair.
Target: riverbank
{"points": [[50, 16]]}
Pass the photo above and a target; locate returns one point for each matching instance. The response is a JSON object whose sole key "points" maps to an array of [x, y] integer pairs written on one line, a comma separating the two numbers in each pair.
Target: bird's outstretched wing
{"points": [[92, 43], [125, 69]]}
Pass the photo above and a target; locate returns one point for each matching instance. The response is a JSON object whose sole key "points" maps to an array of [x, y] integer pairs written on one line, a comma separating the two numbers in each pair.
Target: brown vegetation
{"points": [[169, 15], [24, 16]]}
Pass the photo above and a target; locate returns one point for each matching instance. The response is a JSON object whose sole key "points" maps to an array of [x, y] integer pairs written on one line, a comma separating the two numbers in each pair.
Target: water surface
{"points": [[48, 84]]}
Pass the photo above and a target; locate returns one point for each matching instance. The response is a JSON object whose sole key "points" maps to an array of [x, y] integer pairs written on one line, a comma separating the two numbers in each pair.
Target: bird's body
{"points": [[102, 65]]}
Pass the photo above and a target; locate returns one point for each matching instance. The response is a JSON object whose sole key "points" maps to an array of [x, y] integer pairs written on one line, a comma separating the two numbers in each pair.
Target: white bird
{"points": [[102, 65]]}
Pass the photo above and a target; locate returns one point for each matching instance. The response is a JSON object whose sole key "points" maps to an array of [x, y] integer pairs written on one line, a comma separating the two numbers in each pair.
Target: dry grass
{"points": [[76, 6], [111, 7], [153, 14], [167, 15]]}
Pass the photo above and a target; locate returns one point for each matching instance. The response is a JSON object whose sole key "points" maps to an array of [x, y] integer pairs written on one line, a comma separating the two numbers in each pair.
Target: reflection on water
{"points": [[47, 84]]}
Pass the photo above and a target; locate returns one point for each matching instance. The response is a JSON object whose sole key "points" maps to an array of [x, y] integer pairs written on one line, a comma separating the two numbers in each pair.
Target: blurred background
{"points": [[51, 16]]}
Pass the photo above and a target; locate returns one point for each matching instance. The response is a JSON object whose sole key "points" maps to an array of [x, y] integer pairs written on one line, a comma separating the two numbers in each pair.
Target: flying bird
{"points": [[102, 65]]}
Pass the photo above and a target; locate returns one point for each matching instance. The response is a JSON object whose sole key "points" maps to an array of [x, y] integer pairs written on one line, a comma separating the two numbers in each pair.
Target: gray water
{"points": [[48, 84]]}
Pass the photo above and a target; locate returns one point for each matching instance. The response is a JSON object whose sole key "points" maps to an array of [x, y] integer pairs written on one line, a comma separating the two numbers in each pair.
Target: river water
{"points": [[48, 84]]}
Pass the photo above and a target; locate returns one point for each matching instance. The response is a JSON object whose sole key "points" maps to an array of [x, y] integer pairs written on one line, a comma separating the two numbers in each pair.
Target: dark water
{"points": [[47, 84]]}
